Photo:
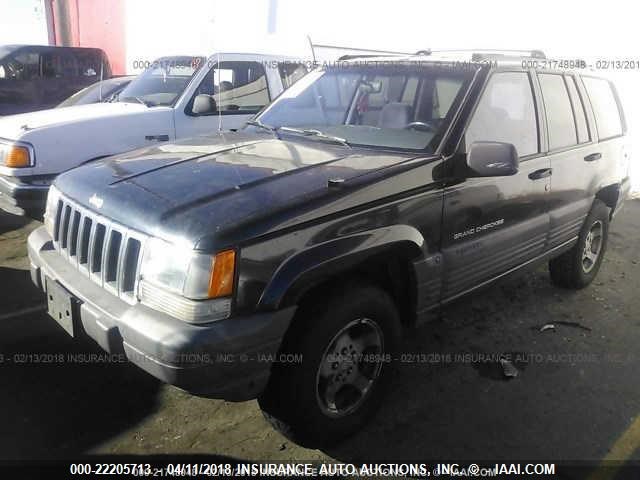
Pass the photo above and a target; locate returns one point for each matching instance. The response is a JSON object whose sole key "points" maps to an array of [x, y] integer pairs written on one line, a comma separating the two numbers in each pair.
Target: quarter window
{"points": [[506, 113], [605, 107], [560, 121], [90, 65], [578, 110]]}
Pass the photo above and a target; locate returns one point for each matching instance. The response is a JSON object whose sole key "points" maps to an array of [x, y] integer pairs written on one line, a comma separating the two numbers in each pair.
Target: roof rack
{"points": [[344, 58], [482, 54], [354, 52]]}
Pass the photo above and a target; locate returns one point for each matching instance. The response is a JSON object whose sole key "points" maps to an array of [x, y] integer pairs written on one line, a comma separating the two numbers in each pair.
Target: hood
{"points": [[14, 126], [208, 185]]}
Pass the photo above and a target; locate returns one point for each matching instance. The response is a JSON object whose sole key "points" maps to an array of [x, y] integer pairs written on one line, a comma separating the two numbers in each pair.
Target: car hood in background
{"points": [[12, 127]]}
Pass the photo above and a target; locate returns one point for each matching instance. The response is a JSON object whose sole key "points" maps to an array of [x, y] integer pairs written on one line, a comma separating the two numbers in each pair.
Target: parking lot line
{"points": [[619, 452], [24, 311]]}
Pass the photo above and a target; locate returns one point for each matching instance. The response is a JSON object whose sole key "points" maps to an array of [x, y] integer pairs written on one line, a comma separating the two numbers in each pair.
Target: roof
{"points": [[482, 58], [8, 49]]}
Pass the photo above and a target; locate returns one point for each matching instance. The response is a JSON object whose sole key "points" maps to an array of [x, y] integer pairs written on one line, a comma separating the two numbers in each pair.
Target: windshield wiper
{"points": [[312, 132], [259, 124]]}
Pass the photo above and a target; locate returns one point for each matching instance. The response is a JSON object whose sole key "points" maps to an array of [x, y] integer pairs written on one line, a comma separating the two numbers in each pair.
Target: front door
{"points": [[491, 225], [239, 89]]}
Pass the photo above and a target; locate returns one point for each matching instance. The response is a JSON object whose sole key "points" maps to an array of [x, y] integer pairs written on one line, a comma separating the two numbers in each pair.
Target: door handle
{"points": [[543, 173], [593, 157]]}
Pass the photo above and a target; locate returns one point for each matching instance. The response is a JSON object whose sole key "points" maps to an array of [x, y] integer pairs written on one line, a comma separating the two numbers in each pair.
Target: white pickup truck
{"points": [[174, 97]]}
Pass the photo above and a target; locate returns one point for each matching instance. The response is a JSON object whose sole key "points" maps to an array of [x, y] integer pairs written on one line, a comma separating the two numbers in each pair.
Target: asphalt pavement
{"points": [[575, 394]]}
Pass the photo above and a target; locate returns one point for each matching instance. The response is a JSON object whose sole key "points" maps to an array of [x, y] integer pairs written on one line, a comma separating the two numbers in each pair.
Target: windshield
{"points": [[163, 82], [95, 93], [398, 106]]}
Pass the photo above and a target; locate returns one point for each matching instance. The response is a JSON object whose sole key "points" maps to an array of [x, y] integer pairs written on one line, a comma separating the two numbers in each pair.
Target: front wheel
{"points": [[345, 345], [579, 266]]}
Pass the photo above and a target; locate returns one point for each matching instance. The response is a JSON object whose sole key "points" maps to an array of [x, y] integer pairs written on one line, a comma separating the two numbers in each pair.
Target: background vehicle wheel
{"points": [[346, 343], [579, 266]]}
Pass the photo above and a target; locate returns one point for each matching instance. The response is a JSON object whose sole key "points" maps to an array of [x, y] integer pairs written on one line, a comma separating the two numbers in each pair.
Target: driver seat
{"points": [[395, 115]]}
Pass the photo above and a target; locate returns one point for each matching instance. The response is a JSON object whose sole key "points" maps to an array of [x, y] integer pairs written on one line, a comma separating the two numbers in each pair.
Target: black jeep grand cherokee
{"points": [[283, 262]]}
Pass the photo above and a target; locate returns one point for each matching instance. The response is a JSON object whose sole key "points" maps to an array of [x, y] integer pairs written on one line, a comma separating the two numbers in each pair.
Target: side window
{"points": [[291, 72], [506, 113], [578, 110], [560, 121], [236, 87], [58, 64], [24, 65], [605, 107], [89, 65]]}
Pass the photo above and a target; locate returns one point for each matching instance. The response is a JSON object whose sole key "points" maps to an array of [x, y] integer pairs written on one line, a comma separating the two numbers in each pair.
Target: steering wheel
{"points": [[420, 126]]}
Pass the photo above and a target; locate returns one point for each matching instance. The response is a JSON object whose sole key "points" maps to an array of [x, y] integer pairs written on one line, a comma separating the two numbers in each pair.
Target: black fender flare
{"points": [[309, 267], [610, 195]]}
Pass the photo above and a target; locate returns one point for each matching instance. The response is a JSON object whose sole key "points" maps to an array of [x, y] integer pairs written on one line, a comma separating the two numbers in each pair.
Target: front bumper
{"points": [[22, 198], [229, 359]]}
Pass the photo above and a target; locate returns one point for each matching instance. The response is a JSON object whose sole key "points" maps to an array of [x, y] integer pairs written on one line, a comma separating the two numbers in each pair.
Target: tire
{"points": [[573, 269], [296, 400]]}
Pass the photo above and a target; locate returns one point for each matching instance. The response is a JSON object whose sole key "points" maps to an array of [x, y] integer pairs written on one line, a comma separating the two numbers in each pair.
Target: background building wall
{"points": [[91, 23]]}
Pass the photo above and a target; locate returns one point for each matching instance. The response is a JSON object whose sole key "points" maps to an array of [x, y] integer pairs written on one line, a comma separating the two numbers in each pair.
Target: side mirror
{"points": [[492, 159], [203, 105]]}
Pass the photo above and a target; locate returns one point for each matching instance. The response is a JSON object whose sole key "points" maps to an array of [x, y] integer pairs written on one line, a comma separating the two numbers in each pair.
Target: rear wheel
{"points": [[345, 344], [579, 266]]}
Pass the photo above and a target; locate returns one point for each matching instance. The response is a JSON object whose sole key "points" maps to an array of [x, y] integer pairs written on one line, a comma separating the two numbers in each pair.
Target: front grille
{"points": [[107, 252]]}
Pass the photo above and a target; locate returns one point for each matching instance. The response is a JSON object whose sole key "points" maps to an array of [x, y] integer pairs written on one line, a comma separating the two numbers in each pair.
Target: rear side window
{"points": [[506, 113], [90, 64], [578, 111], [562, 127], [605, 107]]}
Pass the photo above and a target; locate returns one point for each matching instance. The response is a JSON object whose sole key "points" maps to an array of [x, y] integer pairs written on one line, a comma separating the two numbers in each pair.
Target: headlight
{"points": [[51, 210], [187, 284], [16, 154]]}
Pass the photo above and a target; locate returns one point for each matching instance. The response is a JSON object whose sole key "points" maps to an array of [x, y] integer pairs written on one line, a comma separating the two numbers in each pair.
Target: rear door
{"points": [[491, 225], [613, 150], [576, 156]]}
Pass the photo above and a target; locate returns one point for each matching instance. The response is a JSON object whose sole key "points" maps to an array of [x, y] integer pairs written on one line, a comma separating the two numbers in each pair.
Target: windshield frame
{"points": [[370, 68], [168, 61]]}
